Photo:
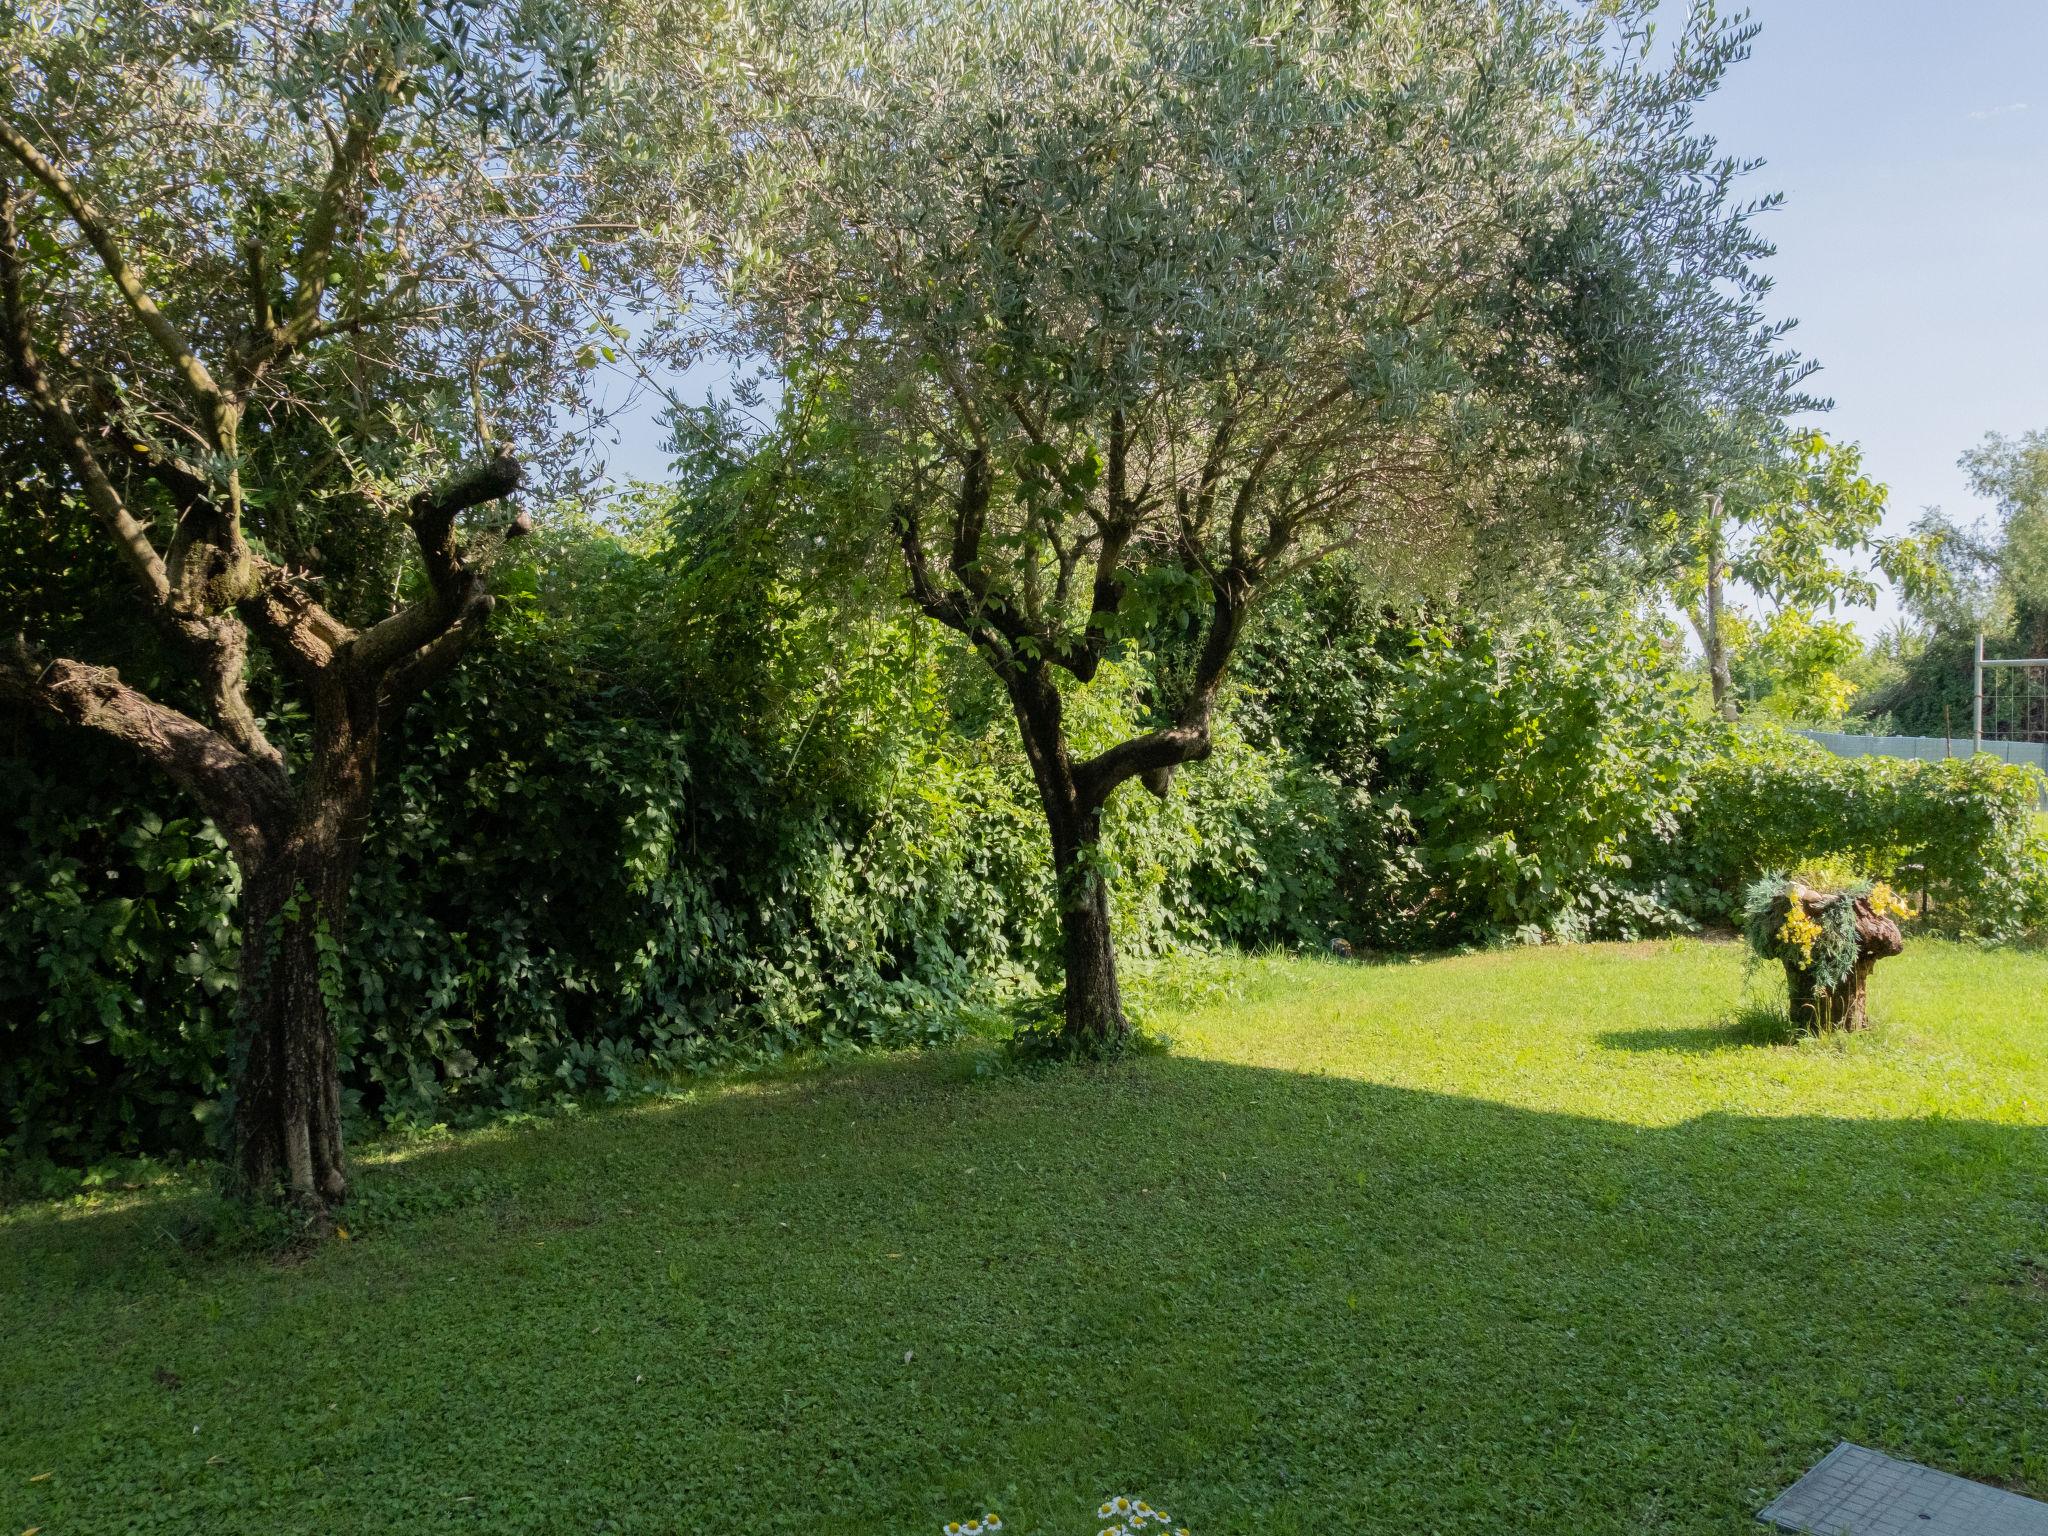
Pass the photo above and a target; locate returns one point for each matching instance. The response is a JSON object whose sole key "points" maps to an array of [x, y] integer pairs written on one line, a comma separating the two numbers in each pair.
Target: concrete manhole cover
{"points": [[1860, 1492]]}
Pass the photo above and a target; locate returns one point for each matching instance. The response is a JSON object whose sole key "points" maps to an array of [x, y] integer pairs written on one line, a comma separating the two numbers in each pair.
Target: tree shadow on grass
{"points": [[870, 1300], [1753, 1024]]}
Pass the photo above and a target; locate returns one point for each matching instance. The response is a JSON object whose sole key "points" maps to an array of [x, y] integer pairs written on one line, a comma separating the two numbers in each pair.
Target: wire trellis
{"points": [[2016, 700]]}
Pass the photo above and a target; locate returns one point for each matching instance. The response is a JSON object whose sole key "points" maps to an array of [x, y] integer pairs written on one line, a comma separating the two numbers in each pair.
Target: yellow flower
{"points": [[1886, 902], [1799, 932]]}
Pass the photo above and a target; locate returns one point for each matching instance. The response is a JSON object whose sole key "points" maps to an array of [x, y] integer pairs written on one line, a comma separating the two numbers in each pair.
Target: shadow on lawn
{"points": [[1267, 1300], [1752, 1025]]}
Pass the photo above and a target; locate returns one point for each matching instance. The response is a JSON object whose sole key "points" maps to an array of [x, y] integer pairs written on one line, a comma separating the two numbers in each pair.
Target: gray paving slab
{"points": [[1855, 1491]]}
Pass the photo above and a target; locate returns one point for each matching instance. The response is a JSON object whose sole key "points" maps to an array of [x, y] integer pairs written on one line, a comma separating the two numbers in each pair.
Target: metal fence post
{"points": [[1977, 706]]}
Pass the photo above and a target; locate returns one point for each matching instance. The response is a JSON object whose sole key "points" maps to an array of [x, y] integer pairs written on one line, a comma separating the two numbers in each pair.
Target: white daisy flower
{"points": [[991, 1522]]}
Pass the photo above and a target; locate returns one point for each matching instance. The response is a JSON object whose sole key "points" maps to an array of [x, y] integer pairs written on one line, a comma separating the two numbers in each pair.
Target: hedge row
{"points": [[792, 830]]}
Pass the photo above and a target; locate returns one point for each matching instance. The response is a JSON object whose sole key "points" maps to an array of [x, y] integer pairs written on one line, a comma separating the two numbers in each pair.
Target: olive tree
{"points": [[1133, 311], [282, 283]]}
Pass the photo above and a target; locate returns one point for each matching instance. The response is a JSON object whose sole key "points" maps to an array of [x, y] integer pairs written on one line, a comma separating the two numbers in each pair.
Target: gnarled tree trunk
{"points": [[295, 889], [1846, 1005], [287, 1120], [1093, 1001], [295, 839], [1095, 1022]]}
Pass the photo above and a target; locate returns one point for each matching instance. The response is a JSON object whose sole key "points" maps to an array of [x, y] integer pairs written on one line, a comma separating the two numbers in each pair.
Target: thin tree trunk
{"points": [[1094, 1010], [1711, 636]]}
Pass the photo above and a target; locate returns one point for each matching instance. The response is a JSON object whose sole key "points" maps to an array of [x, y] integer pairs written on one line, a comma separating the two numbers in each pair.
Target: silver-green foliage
{"points": [[1434, 277]]}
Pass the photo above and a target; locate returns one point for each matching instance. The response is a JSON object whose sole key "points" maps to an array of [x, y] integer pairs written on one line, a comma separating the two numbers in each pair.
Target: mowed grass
{"points": [[1539, 1241]]}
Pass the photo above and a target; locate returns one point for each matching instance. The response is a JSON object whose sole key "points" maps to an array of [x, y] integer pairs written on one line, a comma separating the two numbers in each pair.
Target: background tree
{"points": [[1789, 527], [1135, 311], [1989, 577], [1996, 574], [267, 270]]}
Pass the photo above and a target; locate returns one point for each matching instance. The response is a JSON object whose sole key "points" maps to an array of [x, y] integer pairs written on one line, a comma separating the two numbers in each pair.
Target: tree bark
{"points": [[1817, 1010], [287, 1115], [1094, 1004], [295, 890], [1095, 1024], [1718, 672]]}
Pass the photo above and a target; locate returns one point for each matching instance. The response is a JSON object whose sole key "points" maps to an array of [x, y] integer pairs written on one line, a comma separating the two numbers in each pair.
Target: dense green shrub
{"points": [[1503, 781], [117, 955], [636, 831], [1960, 830], [2032, 923], [1533, 772]]}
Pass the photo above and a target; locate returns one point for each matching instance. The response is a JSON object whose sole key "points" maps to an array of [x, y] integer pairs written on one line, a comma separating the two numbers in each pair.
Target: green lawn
{"points": [[1539, 1241]]}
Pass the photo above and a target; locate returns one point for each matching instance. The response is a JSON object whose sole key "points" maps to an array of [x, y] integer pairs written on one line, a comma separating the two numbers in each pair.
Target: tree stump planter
{"points": [[1843, 1006]]}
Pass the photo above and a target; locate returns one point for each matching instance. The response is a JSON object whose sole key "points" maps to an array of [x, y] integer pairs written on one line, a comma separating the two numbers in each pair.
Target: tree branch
{"points": [[453, 580], [1154, 755], [437, 658], [316, 239], [245, 796], [106, 502], [296, 629], [214, 404]]}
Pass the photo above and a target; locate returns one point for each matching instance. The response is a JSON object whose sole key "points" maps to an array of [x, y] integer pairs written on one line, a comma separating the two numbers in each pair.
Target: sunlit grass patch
{"points": [[1563, 1239]]}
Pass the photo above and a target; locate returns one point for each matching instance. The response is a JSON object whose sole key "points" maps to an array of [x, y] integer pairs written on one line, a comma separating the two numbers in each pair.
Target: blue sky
{"points": [[1911, 140]]}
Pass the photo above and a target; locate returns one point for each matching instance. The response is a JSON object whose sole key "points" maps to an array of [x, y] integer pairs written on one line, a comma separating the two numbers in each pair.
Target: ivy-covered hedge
{"points": [[628, 835], [672, 813], [117, 961], [1961, 830]]}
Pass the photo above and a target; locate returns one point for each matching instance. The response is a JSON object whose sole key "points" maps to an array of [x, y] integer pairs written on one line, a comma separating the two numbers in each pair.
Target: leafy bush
{"points": [[1960, 830], [1532, 773], [643, 828], [117, 959]]}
